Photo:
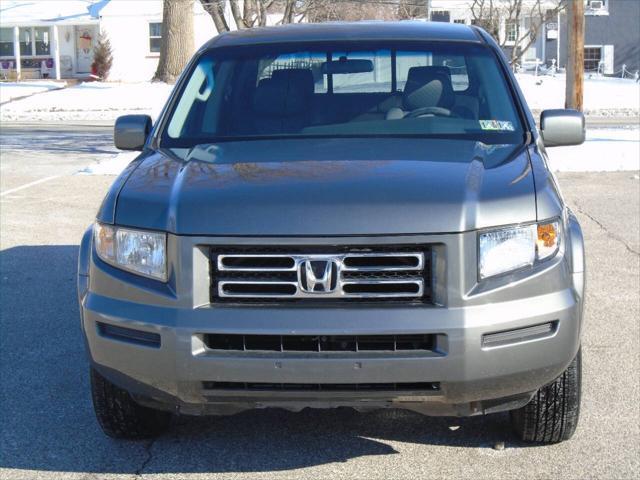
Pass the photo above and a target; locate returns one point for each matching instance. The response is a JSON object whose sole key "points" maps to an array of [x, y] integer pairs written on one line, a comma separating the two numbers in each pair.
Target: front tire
{"points": [[552, 415], [120, 416]]}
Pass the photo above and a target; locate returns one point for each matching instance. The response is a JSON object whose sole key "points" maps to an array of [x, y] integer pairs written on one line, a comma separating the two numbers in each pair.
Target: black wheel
{"points": [[552, 415], [120, 416]]}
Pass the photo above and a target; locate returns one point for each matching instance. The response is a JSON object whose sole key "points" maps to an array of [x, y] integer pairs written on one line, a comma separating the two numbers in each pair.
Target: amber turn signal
{"points": [[548, 239]]}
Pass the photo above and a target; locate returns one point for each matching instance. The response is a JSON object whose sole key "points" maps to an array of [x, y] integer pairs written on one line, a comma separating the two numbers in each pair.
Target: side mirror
{"points": [[562, 127], [131, 131]]}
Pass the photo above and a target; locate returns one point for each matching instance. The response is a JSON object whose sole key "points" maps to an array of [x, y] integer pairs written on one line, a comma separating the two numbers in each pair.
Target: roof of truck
{"points": [[341, 31]]}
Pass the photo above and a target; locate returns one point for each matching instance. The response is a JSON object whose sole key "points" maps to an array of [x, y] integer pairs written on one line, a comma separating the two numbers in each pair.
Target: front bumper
{"points": [[470, 378]]}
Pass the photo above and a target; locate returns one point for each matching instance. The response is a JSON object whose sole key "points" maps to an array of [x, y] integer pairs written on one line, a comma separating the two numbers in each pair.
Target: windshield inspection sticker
{"points": [[496, 125]]}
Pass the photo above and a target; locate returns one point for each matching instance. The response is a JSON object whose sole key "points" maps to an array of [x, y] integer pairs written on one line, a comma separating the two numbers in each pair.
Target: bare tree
{"points": [[246, 14], [177, 43], [215, 8], [486, 15], [348, 10], [489, 14], [410, 9], [253, 13]]}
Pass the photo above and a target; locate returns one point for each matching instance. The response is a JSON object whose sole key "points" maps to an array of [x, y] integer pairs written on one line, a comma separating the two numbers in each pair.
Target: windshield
{"points": [[351, 89]]}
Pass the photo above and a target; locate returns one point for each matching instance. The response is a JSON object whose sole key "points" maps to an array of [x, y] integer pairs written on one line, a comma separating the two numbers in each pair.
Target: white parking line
{"points": [[30, 184]]}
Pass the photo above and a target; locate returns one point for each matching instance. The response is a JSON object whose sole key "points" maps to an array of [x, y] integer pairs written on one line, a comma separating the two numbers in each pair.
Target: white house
{"points": [[41, 38], [56, 38], [459, 11], [612, 37]]}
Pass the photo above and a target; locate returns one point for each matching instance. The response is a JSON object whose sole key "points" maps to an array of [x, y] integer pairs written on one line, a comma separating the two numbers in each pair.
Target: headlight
{"points": [[510, 249], [137, 251]]}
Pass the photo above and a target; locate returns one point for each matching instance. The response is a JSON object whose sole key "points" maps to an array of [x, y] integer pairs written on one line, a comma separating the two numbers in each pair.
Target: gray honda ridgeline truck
{"points": [[356, 214]]}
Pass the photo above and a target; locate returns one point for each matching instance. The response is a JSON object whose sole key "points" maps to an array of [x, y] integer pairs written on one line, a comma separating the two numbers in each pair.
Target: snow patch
{"points": [[603, 96], [11, 90], [605, 150], [111, 166], [31, 12], [90, 101]]}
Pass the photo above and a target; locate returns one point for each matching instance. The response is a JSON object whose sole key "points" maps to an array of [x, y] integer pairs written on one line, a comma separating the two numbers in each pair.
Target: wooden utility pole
{"points": [[575, 54]]}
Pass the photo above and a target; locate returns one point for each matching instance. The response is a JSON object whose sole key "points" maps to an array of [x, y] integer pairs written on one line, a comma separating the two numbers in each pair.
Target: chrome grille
{"points": [[321, 274]]}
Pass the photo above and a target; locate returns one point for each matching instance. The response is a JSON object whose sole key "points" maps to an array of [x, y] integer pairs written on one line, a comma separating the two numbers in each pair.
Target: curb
{"points": [[89, 124]]}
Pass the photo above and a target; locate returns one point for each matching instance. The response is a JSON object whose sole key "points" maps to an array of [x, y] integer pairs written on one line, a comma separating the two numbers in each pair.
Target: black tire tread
{"points": [[120, 416], [552, 414]]}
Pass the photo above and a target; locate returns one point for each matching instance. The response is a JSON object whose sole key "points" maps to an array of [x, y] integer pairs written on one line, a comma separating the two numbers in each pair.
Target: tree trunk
{"points": [[177, 43], [575, 62], [215, 8], [262, 13], [287, 16], [237, 15]]}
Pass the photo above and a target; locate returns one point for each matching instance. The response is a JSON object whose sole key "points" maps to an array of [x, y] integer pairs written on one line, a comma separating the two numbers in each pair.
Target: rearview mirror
{"points": [[131, 131], [344, 65], [562, 127]]}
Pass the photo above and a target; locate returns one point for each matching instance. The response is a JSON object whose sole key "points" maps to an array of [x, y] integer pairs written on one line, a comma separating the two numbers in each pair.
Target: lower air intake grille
{"points": [[320, 343], [318, 387], [259, 274]]}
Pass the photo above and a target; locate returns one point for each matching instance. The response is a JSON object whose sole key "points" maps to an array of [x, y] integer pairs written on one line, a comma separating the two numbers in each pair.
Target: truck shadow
{"points": [[47, 418]]}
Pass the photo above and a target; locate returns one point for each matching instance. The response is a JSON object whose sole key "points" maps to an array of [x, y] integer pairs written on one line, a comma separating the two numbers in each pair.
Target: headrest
{"points": [[301, 77], [286, 93], [269, 97], [428, 87]]}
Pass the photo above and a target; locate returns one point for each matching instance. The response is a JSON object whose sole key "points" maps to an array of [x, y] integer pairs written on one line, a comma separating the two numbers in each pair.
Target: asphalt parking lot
{"points": [[47, 427]]}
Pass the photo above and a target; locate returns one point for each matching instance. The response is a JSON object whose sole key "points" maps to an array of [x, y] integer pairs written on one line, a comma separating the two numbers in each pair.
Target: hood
{"points": [[329, 187]]}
